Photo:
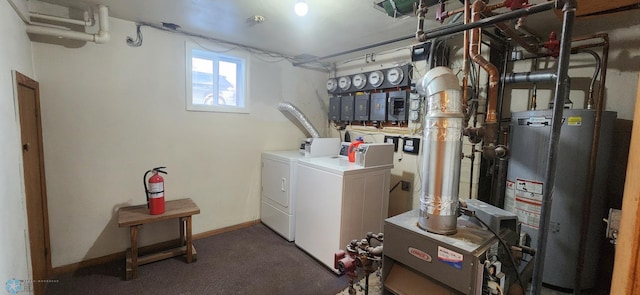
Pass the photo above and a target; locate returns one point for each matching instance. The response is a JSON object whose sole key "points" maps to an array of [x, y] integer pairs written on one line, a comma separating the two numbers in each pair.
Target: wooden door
{"points": [[626, 270], [34, 180]]}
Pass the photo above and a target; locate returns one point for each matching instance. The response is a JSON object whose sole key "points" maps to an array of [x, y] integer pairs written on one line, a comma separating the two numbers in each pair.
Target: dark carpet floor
{"points": [[252, 260]]}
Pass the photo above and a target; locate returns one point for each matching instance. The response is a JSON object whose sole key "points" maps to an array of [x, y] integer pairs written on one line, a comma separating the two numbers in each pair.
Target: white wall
{"points": [[15, 54], [110, 112]]}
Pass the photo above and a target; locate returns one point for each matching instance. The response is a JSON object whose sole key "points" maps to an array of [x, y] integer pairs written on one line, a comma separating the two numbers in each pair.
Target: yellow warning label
{"points": [[574, 121]]}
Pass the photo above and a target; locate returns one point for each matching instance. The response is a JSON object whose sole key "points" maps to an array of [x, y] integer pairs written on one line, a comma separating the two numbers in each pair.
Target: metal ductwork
{"points": [[290, 108], [442, 146]]}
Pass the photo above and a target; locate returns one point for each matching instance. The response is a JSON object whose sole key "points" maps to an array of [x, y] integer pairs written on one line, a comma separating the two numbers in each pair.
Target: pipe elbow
{"points": [[102, 37]]}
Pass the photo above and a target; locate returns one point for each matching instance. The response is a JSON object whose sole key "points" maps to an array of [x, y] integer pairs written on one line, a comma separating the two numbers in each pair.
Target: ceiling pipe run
{"points": [[86, 23], [102, 36]]}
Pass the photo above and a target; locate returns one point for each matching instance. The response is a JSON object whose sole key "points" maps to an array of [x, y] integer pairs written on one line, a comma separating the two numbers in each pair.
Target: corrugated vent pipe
{"points": [[102, 36], [442, 146], [290, 108]]}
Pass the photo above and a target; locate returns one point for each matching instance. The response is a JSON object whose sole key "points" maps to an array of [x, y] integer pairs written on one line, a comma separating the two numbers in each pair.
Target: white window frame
{"points": [[242, 91]]}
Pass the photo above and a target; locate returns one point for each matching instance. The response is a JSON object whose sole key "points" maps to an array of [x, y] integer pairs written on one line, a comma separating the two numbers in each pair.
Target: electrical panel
{"points": [[378, 107], [397, 107], [334, 108], [346, 109], [372, 97], [361, 110], [411, 145]]}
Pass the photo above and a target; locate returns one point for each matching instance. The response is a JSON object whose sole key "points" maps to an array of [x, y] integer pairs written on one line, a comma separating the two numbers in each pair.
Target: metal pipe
{"points": [[569, 12], [590, 101], [465, 67], [452, 29], [442, 144], [421, 12], [586, 210], [532, 48], [448, 30], [529, 77], [491, 119]]}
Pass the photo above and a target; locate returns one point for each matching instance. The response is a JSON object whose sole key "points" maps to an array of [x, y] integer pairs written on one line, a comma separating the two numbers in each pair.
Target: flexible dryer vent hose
{"points": [[288, 107]]}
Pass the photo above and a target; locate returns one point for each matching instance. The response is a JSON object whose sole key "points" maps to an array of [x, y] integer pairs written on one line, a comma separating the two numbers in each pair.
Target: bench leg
{"points": [[189, 241], [132, 260]]}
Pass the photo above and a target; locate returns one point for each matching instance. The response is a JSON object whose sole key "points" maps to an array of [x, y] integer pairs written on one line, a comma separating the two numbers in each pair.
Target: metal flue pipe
{"points": [[442, 145], [569, 12]]}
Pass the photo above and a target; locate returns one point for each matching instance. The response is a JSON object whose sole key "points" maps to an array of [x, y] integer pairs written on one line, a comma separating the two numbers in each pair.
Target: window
{"points": [[215, 82]]}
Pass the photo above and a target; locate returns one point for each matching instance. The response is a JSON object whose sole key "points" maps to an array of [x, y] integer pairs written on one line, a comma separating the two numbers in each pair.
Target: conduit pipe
{"points": [[86, 23], [465, 60], [569, 13], [586, 210], [102, 36], [442, 144], [290, 108]]}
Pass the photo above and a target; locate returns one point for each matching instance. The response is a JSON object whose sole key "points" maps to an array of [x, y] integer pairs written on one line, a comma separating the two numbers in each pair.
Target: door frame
{"points": [[38, 274]]}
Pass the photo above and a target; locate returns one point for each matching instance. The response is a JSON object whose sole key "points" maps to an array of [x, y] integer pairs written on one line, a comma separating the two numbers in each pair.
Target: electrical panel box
{"points": [[361, 111], [378, 107], [397, 106], [346, 109], [334, 108], [411, 145]]}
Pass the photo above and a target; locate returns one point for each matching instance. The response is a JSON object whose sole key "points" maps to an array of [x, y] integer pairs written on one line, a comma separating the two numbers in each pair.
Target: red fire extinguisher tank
{"points": [[155, 191]]}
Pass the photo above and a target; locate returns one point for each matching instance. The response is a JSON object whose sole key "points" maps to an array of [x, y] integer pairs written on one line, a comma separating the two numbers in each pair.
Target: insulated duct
{"points": [[442, 145], [290, 108], [102, 36]]}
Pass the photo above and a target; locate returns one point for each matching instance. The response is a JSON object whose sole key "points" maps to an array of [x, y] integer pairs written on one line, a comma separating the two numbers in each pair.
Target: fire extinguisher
{"points": [[155, 190]]}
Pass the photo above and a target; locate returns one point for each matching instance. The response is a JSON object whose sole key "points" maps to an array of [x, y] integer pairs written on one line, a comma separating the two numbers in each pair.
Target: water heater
{"points": [[529, 145]]}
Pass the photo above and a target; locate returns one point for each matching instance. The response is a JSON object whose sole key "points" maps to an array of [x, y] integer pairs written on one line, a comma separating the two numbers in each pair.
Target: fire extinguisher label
{"points": [[156, 190]]}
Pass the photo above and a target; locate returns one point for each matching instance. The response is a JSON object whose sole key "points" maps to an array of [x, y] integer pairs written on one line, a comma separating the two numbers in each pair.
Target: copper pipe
{"points": [[491, 121]]}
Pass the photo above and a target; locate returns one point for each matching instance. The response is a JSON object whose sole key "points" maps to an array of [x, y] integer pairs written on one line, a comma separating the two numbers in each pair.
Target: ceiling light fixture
{"points": [[301, 8]]}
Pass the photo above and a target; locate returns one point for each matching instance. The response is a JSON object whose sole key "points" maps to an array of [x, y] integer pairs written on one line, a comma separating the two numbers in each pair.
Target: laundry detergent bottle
{"points": [[353, 147]]}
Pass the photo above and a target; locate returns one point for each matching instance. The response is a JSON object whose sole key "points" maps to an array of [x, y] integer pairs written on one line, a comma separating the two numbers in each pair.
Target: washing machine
{"points": [[338, 201]]}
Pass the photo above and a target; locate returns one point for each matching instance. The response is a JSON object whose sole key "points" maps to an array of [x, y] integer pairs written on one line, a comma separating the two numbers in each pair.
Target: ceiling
{"points": [[330, 27]]}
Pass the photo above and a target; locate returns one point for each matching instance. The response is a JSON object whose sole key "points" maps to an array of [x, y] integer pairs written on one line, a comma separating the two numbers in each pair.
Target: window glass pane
{"points": [[227, 83], [215, 82], [202, 81]]}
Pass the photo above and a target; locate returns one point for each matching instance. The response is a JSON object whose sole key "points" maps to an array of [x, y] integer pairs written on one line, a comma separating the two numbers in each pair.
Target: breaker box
{"points": [[378, 107]]}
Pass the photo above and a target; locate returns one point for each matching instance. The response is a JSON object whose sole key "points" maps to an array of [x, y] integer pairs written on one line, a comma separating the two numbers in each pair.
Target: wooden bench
{"points": [[135, 216]]}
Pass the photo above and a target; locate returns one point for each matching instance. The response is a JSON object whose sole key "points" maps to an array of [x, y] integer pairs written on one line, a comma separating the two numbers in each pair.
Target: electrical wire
{"points": [[258, 52]]}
